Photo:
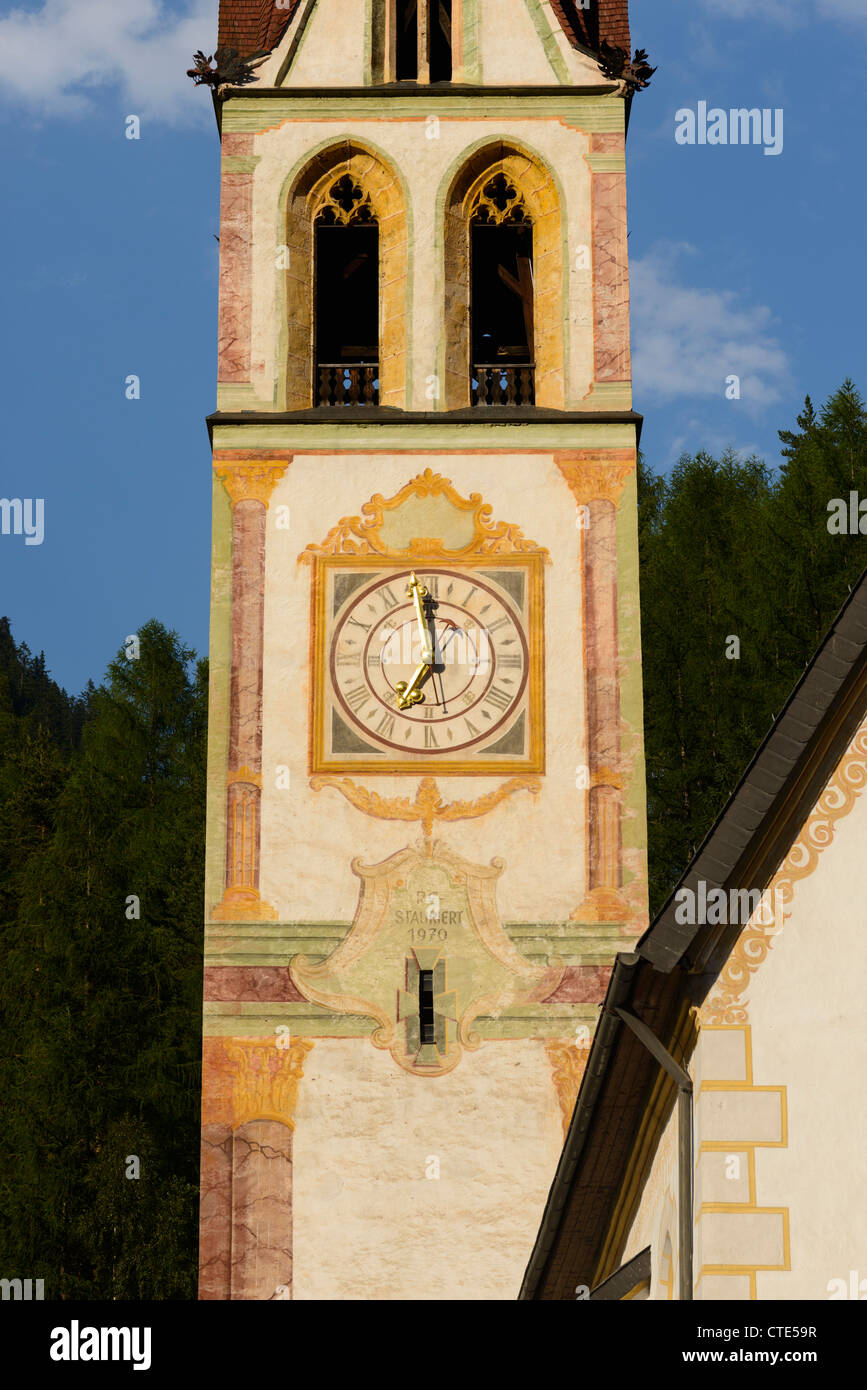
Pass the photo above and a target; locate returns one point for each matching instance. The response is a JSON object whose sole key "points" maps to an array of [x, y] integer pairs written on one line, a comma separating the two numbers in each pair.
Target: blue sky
{"points": [[742, 264]]}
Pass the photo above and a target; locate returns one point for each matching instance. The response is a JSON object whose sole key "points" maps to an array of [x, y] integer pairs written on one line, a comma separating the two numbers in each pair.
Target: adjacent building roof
{"points": [[675, 966], [251, 25], [607, 19]]}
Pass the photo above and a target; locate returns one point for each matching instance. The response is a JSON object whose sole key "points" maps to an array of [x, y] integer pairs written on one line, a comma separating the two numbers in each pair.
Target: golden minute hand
{"points": [[412, 694], [417, 592]]}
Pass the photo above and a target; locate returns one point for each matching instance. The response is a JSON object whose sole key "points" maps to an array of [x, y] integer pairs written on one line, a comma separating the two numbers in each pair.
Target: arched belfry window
{"points": [[504, 282], [346, 293], [419, 40], [501, 296], [343, 280]]}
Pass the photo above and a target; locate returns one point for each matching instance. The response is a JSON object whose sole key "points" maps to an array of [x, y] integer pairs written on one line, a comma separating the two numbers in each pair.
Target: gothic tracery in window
{"points": [[498, 203], [345, 204]]}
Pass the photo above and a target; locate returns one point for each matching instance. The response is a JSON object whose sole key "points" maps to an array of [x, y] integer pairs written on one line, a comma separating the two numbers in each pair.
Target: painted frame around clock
{"points": [[478, 766]]}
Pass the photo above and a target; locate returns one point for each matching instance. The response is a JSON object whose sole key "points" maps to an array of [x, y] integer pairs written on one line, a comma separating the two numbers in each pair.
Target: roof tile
{"points": [[607, 19], [250, 25]]}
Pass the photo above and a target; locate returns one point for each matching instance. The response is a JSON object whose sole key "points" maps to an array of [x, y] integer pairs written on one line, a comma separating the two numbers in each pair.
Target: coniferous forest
{"points": [[102, 811]]}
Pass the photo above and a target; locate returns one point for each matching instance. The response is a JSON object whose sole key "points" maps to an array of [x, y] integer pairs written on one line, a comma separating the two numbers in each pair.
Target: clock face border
{"points": [[533, 762]]}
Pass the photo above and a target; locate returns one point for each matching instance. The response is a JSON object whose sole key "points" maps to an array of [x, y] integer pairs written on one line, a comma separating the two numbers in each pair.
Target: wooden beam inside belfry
{"points": [[424, 35]]}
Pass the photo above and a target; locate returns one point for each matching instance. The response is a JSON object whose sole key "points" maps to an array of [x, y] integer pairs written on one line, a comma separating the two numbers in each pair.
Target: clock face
{"points": [[435, 666]]}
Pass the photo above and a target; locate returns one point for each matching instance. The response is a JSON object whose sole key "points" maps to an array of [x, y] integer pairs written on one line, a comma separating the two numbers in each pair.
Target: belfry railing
{"points": [[495, 384], [339, 383]]}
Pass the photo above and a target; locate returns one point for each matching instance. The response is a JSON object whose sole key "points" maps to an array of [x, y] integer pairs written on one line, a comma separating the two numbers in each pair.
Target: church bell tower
{"points": [[426, 819]]}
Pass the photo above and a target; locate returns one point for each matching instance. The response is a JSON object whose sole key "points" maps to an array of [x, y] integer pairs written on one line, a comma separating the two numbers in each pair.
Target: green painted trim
{"points": [[277, 942], [307, 22], [549, 42], [238, 395], [368, 44], [256, 1010], [302, 24], [239, 163], [607, 163], [551, 1012], [537, 950], [218, 694], [284, 932], [312, 1021], [569, 942], [588, 113], [606, 932], [315, 952], [280, 294], [608, 395], [382, 438], [259, 1009], [472, 48], [505, 1029], [245, 944], [304, 1020]]}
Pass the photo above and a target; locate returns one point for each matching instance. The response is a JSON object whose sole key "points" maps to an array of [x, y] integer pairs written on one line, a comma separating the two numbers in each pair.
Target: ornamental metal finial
{"points": [[616, 64]]}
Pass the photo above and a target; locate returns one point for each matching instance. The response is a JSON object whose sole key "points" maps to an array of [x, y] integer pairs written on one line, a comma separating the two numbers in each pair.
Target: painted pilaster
{"points": [[245, 1235], [249, 485], [236, 258], [597, 486], [607, 161]]}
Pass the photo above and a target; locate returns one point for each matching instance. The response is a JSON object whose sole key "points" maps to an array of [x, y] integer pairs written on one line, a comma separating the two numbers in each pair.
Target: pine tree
{"points": [[109, 974], [728, 551], [701, 645]]}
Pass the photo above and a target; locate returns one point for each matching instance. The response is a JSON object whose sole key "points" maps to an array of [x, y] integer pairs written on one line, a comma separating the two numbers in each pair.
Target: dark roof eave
{"points": [[424, 91], [604, 1041], [389, 415], [823, 688]]}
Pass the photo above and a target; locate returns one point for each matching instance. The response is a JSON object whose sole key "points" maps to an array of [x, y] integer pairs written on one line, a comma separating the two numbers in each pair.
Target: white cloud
{"points": [[687, 341], [55, 56]]}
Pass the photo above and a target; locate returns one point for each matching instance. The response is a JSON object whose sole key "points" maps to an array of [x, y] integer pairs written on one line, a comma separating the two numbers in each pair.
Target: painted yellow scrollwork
{"points": [[428, 805]]}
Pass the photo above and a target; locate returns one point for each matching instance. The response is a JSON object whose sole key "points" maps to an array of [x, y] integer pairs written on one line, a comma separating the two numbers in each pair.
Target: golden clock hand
{"points": [[411, 694], [417, 592]]}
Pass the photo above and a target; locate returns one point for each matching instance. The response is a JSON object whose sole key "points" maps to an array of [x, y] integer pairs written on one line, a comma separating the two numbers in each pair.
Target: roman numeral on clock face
{"points": [[430, 738], [356, 696], [501, 699], [385, 727], [387, 597], [508, 659], [348, 658]]}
